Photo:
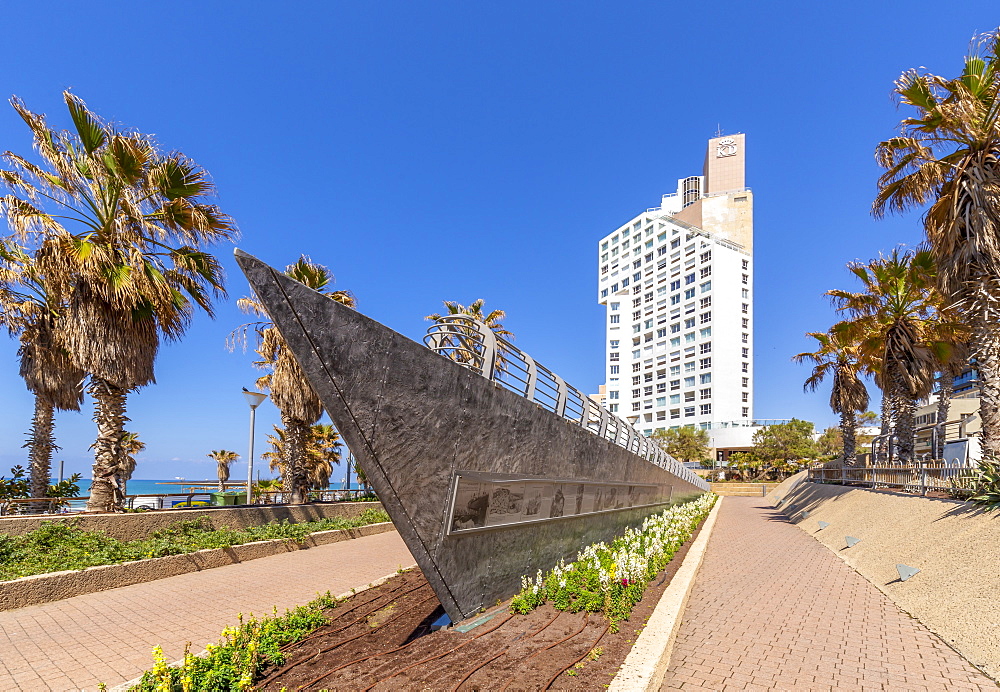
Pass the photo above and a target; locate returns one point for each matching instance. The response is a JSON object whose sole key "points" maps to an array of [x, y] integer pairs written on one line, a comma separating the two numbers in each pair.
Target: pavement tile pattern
{"points": [[107, 637], [773, 609]]}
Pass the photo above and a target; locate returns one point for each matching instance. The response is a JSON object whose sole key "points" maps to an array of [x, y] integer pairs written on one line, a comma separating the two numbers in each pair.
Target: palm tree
{"points": [[324, 447], [116, 227], [463, 346], [322, 452], [291, 392], [952, 358], [848, 396], [131, 446], [278, 453], [889, 321], [32, 312], [948, 156], [223, 459]]}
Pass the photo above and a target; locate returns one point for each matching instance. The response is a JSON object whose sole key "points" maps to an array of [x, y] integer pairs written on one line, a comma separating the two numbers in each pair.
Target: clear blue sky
{"points": [[457, 150]]}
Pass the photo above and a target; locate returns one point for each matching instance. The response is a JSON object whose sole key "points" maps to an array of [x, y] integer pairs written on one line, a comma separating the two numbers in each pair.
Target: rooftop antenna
{"points": [[718, 130]]}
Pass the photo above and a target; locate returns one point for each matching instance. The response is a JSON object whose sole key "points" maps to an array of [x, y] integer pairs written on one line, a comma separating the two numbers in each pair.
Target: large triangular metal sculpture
{"points": [[483, 484]]}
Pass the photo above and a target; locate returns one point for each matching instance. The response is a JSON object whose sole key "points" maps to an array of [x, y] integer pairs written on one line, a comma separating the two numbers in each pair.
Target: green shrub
{"points": [[243, 652], [57, 546], [987, 484]]}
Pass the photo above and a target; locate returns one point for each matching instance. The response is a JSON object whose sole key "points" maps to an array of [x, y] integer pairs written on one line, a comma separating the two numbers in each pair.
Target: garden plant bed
{"points": [[380, 639]]}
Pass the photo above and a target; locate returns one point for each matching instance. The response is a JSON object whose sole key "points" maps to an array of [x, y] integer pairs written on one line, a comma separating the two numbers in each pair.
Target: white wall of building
{"points": [[679, 321]]}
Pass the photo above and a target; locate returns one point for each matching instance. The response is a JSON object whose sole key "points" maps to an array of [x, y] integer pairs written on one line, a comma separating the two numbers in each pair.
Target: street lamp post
{"points": [[254, 399]]}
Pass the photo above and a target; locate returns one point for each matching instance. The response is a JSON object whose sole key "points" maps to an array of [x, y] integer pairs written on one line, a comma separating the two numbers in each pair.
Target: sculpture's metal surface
{"points": [[483, 483]]}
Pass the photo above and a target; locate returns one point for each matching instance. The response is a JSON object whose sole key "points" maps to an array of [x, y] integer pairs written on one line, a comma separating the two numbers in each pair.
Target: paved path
{"points": [[107, 637], [773, 609]]}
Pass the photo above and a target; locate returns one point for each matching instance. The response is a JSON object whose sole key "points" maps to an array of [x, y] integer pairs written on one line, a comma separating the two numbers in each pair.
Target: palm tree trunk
{"points": [[986, 347], [109, 414], [945, 388], [848, 427], [295, 478], [904, 418], [41, 444], [886, 426]]}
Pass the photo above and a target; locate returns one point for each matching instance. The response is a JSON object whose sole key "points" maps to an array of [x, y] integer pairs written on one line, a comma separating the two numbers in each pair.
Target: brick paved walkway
{"points": [[773, 609], [107, 637]]}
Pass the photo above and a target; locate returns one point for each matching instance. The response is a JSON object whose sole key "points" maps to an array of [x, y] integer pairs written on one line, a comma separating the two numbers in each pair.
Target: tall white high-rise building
{"points": [[677, 281]]}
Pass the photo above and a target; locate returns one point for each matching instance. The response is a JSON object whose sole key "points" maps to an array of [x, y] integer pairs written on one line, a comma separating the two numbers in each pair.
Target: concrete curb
{"points": [[647, 662], [125, 686], [56, 586]]}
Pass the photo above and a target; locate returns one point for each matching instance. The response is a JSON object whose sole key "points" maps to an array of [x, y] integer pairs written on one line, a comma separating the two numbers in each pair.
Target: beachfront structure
{"points": [[677, 282]]}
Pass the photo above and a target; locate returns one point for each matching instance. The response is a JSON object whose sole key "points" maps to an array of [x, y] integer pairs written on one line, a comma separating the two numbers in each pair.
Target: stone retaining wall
{"points": [[956, 546], [55, 586], [138, 525]]}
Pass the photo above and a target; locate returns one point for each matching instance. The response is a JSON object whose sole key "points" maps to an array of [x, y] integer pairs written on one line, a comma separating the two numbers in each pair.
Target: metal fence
{"points": [[278, 497], [916, 478], [70, 505], [74, 505], [469, 342]]}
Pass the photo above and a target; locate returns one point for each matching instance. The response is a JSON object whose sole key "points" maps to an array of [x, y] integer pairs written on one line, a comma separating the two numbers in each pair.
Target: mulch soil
{"points": [[380, 639]]}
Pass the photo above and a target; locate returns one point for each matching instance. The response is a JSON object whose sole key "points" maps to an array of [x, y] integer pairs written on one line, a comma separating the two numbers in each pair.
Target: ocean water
{"points": [[139, 486]]}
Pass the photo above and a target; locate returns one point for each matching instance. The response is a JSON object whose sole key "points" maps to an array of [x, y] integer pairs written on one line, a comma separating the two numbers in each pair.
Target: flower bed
{"points": [[59, 546], [244, 651], [611, 579]]}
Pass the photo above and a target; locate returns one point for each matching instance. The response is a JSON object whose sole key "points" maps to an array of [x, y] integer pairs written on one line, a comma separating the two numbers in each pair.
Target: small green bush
{"points": [[58, 546], [240, 656], [987, 485]]}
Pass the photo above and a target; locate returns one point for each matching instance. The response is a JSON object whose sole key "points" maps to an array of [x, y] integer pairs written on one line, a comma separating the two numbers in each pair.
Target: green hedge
{"points": [[58, 546]]}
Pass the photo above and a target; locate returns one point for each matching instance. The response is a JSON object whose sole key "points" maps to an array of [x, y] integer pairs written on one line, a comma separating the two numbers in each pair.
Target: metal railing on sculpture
{"points": [[470, 343]]}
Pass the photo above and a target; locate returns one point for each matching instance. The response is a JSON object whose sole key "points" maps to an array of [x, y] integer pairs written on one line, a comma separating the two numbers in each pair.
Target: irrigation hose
{"points": [[532, 636], [585, 654], [288, 667], [393, 594], [436, 656], [357, 636], [586, 621], [347, 611], [376, 655]]}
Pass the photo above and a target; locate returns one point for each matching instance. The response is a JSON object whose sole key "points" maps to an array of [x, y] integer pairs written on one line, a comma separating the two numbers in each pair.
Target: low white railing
{"points": [[470, 343], [916, 478]]}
